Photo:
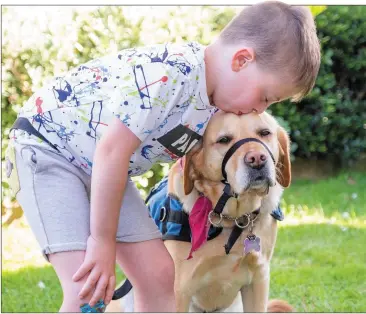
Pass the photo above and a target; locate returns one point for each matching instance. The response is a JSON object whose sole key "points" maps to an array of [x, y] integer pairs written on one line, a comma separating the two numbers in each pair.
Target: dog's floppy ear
{"points": [[284, 163], [188, 169]]}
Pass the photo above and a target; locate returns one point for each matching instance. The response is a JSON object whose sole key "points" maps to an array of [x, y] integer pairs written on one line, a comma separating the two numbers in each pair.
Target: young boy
{"points": [[164, 95]]}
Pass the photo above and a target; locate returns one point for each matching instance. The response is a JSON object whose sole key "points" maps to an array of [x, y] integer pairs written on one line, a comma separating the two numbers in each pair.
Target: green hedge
{"points": [[331, 121]]}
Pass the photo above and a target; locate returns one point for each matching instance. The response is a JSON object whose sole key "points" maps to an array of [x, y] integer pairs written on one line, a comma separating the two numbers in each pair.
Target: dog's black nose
{"points": [[255, 160]]}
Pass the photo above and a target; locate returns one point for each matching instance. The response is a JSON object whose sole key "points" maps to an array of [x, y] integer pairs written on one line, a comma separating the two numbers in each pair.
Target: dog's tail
{"points": [[279, 306]]}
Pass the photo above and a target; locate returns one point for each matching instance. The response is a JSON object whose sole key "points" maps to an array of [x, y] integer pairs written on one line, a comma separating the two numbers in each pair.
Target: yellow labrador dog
{"points": [[231, 181]]}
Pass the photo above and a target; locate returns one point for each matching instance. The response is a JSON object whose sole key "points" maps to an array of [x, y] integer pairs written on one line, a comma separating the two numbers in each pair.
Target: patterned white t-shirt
{"points": [[158, 92]]}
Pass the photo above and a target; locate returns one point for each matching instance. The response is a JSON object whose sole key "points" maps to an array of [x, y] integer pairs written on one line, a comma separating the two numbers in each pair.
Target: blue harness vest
{"points": [[167, 212]]}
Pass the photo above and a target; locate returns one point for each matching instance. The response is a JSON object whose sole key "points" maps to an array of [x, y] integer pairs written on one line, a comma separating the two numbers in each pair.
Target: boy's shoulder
{"points": [[172, 54]]}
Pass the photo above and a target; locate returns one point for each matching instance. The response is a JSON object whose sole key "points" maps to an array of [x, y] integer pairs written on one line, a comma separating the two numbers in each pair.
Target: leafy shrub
{"points": [[331, 121]]}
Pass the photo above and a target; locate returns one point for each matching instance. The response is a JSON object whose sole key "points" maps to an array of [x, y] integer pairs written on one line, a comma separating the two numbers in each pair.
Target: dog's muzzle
{"points": [[235, 147]]}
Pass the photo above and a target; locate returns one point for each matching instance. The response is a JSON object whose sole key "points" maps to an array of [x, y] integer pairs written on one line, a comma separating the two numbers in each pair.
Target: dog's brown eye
{"points": [[264, 133], [224, 140]]}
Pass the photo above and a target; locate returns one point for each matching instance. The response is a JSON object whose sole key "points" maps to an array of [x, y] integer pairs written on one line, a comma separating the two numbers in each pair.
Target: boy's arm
{"points": [[110, 174], [109, 177]]}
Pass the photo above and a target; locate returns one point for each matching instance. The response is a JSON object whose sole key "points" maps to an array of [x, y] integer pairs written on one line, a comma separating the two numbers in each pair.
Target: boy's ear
{"points": [[284, 161], [189, 169], [242, 58]]}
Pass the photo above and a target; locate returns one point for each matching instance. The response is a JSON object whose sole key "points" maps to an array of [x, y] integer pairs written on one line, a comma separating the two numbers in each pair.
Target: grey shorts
{"points": [[54, 195]]}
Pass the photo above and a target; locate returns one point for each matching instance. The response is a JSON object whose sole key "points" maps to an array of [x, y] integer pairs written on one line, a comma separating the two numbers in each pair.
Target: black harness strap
{"points": [[223, 199], [234, 148], [234, 235], [215, 233], [22, 123]]}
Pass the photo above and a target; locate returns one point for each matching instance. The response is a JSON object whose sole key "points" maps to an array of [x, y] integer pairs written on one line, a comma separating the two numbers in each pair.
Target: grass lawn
{"points": [[318, 264]]}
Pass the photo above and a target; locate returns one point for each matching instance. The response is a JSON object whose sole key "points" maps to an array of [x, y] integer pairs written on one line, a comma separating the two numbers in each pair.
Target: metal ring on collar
{"points": [[164, 216], [242, 226], [212, 223]]}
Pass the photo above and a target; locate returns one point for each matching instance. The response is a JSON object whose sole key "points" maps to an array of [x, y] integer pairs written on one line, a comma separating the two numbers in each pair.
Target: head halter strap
{"points": [[235, 147]]}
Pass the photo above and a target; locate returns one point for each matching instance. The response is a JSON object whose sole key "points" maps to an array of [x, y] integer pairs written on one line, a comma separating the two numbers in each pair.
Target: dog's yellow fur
{"points": [[211, 280]]}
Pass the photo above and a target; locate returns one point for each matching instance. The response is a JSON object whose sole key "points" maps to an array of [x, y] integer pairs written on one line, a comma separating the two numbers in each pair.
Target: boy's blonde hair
{"points": [[283, 37]]}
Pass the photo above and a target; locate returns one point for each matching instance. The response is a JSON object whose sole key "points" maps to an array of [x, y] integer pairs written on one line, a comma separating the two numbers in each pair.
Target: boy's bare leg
{"points": [[65, 265], [150, 268]]}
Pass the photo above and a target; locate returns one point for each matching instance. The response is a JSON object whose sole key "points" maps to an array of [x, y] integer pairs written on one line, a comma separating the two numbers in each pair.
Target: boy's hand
{"points": [[100, 262]]}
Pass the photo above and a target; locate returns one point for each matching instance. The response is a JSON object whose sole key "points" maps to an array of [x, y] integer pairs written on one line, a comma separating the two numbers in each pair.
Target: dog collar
{"points": [[241, 223]]}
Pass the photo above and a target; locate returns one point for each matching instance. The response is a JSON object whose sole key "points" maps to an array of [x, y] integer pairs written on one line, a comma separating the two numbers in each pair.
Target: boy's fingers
{"points": [[89, 284], [99, 292], [82, 271], [110, 289]]}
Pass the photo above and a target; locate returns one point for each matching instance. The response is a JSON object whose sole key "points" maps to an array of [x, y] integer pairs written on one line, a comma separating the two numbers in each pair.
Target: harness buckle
{"points": [[164, 211]]}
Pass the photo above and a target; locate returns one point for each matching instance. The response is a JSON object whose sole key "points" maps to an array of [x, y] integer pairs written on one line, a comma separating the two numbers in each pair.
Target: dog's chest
{"points": [[212, 278], [216, 277]]}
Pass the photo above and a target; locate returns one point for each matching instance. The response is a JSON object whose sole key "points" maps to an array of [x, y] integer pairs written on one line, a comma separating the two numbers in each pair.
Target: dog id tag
{"points": [[252, 243]]}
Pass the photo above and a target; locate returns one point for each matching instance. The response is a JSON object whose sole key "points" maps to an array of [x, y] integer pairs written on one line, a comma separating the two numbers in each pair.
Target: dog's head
{"points": [[251, 168]]}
